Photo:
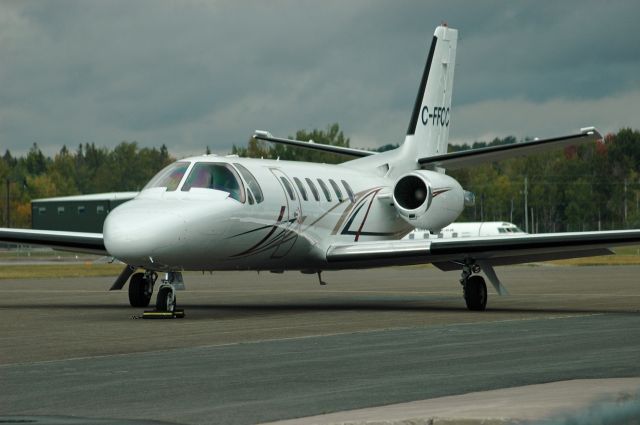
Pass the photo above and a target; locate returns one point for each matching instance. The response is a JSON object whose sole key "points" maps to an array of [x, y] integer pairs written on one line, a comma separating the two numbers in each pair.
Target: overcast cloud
{"points": [[192, 74]]}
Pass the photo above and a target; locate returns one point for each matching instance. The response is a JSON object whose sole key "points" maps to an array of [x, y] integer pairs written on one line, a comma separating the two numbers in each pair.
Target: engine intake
{"points": [[411, 192], [428, 199]]}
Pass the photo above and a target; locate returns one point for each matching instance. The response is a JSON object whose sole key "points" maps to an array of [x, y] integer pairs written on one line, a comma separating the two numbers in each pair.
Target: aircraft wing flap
{"points": [[91, 243], [461, 159], [498, 250], [529, 258]]}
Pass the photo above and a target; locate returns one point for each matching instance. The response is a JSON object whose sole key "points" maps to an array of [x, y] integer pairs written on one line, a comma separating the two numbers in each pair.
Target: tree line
{"points": [[590, 187], [88, 169], [594, 187]]}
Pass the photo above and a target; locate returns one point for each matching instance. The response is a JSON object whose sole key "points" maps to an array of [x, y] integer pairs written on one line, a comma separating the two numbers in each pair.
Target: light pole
{"points": [[526, 205], [7, 217]]}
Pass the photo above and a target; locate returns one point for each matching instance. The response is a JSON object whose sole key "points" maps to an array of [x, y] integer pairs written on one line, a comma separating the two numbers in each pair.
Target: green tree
{"points": [[332, 135]]}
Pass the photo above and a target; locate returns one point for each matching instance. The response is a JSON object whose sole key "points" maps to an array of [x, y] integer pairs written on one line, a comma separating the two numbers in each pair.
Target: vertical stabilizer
{"points": [[428, 132]]}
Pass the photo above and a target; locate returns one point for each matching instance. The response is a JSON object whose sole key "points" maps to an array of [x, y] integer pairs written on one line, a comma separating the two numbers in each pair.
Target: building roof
{"points": [[111, 196]]}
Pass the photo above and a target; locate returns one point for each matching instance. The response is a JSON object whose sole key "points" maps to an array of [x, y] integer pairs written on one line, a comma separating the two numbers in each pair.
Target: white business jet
{"points": [[469, 230], [228, 213]]}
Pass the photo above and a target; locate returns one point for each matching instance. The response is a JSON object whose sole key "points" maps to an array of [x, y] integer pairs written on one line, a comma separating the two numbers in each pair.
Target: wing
{"points": [[267, 137], [451, 254], [466, 158], [91, 243]]}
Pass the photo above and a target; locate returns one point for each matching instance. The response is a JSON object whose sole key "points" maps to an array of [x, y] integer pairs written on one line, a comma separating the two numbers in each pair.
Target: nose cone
{"points": [[140, 230]]}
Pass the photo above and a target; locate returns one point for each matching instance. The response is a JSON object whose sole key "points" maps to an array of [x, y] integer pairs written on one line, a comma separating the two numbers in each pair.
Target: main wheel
{"points": [[139, 291], [166, 300], [475, 293]]}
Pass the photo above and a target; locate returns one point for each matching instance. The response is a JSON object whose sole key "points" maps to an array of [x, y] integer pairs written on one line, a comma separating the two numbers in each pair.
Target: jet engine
{"points": [[428, 199]]}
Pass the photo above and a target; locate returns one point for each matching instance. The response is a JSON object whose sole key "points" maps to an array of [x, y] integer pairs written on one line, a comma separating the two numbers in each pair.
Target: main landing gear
{"points": [[141, 290], [474, 287]]}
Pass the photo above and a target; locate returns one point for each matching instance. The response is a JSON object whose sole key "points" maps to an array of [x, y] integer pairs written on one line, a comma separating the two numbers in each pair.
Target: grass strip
{"points": [[49, 271]]}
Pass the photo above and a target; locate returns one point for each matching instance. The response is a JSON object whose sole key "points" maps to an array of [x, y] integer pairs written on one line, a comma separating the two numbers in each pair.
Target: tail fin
{"points": [[428, 132]]}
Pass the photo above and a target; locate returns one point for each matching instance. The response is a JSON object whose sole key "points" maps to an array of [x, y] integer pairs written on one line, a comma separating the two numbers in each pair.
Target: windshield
{"points": [[222, 177], [169, 177]]}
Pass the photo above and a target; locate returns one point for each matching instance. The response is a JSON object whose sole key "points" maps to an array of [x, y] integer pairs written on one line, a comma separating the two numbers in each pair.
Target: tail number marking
{"points": [[439, 117]]}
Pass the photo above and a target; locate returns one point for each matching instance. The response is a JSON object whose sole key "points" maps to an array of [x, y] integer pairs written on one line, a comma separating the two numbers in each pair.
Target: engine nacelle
{"points": [[428, 199]]}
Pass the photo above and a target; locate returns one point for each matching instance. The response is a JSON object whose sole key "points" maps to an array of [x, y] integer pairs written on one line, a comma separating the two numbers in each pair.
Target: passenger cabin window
{"points": [[301, 188], [325, 190], [169, 177], [209, 175], [336, 188], [254, 188], [288, 187], [352, 198], [313, 188]]}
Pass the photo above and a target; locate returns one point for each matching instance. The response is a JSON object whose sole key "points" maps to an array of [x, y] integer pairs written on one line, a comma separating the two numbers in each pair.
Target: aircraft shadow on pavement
{"points": [[228, 310], [231, 310]]}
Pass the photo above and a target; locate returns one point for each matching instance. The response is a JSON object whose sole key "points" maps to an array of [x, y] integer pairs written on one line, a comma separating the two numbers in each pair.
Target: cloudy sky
{"points": [[195, 73]]}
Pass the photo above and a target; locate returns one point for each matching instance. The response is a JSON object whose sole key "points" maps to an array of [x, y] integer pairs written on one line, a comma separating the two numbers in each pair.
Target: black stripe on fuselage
{"points": [[423, 85]]}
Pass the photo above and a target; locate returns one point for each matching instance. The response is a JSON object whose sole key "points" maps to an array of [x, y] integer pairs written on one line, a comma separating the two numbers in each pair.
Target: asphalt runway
{"points": [[257, 348]]}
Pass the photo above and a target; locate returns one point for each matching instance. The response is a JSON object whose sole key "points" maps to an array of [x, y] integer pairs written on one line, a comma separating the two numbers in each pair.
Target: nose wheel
{"points": [[166, 298]]}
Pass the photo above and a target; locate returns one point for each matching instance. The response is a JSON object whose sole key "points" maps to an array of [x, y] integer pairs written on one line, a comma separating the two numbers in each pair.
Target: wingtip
{"points": [[262, 133], [592, 131]]}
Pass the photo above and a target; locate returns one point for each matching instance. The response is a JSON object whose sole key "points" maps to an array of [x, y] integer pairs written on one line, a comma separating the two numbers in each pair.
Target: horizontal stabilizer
{"points": [[267, 137], [471, 157]]}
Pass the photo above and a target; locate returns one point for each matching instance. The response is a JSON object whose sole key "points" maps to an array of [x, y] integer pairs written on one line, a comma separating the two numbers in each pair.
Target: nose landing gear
{"points": [[166, 298]]}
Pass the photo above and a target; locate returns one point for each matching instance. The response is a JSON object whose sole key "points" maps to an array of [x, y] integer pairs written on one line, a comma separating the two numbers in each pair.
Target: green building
{"points": [[82, 213]]}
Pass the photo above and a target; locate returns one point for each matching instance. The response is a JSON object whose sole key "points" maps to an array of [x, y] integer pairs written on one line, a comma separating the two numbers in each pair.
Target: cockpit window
{"points": [[209, 175], [169, 177], [251, 182]]}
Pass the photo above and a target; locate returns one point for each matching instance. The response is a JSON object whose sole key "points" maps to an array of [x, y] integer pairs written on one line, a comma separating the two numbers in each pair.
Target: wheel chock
{"points": [[155, 314]]}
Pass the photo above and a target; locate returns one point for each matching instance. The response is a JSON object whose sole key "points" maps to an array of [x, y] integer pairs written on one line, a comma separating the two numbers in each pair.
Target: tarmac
{"points": [[269, 347]]}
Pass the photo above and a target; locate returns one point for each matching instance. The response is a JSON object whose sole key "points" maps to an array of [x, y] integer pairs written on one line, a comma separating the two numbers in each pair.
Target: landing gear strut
{"points": [[474, 287]]}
